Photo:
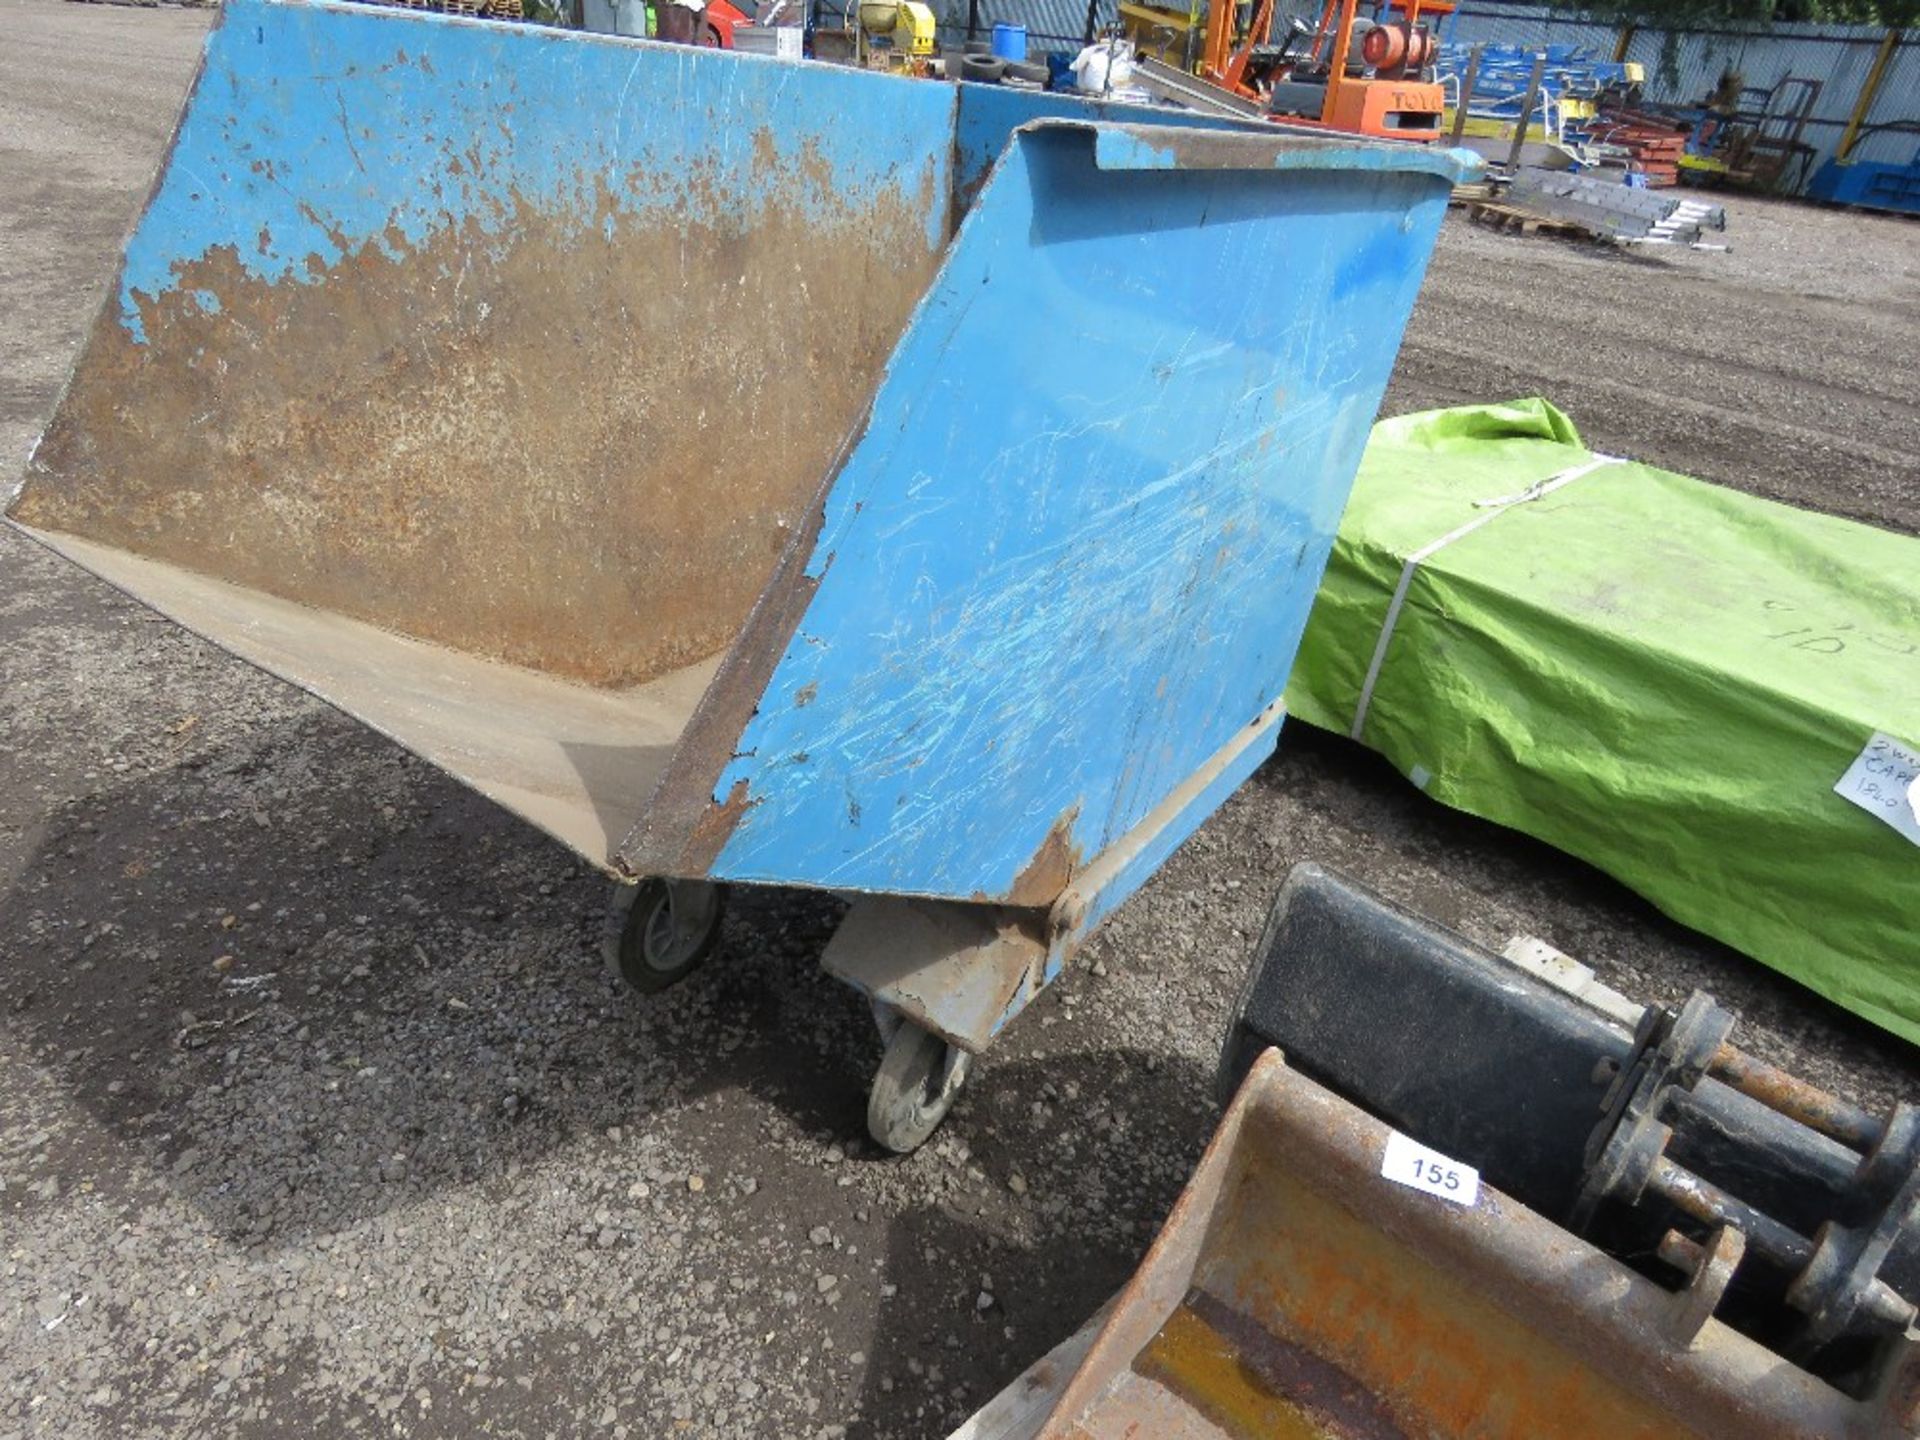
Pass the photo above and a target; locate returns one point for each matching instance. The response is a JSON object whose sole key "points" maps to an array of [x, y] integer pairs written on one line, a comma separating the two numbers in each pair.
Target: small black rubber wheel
{"points": [[915, 1087], [660, 931], [982, 69], [1021, 70]]}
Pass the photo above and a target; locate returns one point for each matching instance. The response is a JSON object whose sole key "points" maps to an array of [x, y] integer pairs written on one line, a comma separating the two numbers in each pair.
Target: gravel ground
{"points": [[1779, 369], [317, 1110]]}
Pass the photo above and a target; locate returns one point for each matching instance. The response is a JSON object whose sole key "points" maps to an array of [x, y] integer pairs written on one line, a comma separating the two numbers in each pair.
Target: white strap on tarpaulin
{"points": [[1492, 509]]}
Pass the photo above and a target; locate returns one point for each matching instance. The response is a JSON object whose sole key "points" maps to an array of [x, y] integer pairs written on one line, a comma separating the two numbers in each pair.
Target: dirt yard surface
{"points": [[1778, 369], [319, 1115]]}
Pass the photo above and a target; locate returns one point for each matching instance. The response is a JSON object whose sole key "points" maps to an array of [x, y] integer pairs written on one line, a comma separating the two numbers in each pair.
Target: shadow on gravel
{"points": [[308, 978], [299, 980], [408, 997], [1109, 1165]]}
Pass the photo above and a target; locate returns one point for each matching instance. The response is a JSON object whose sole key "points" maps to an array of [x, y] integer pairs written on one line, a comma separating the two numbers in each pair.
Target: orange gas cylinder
{"points": [[1396, 48]]}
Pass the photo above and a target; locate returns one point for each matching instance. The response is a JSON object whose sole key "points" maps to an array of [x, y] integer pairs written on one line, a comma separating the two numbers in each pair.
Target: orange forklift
{"points": [[1364, 76]]}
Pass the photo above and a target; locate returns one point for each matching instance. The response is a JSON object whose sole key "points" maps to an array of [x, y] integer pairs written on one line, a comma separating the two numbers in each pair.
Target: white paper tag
{"points": [[789, 42], [1885, 782], [1408, 1162]]}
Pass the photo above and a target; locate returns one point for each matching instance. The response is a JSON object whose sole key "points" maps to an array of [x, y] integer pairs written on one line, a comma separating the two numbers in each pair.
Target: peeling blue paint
{"points": [[295, 146]]}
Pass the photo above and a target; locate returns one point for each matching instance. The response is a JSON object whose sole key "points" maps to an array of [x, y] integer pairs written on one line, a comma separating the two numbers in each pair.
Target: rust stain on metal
{"points": [[681, 830], [1294, 1292], [1441, 1358], [1254, 1385], [1796, 1098], [573, 442], [1194, 149], [1051, 868], [710, 831]]}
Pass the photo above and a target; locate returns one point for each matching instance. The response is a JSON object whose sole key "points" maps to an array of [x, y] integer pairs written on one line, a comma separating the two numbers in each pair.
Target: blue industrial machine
{"points": [[1870, 184], [750, 471]]}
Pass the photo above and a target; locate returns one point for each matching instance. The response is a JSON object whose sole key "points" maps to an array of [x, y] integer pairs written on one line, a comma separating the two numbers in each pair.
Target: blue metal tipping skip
{"points": [[752, 471]]}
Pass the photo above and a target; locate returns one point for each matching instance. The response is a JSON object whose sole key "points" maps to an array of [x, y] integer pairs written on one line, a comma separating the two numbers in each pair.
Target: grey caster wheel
{"points": [[915, 1087], [660, 931]]}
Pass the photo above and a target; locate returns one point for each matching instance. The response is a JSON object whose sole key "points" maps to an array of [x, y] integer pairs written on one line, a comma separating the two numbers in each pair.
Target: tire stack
{"points": [[982, 67]]}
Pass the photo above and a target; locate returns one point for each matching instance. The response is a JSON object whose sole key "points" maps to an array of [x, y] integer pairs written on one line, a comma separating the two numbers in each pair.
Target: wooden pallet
{"points": [[1513, 219]]}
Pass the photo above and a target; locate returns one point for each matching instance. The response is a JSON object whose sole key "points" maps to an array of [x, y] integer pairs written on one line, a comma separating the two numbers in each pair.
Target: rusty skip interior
{"points": [[516, 521]]}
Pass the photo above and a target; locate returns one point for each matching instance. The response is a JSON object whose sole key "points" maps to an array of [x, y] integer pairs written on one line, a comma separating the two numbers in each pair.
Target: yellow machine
{"points": [[1174, 36], [920, 25], [905, 29]]}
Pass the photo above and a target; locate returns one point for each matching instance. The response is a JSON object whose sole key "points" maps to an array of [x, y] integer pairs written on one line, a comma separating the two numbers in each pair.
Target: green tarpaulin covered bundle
{"points": [[1712, 697]]}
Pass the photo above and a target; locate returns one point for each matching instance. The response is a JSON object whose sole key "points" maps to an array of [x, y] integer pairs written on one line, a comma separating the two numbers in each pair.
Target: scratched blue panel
{"points": [[1074, 551], [317, 129]]}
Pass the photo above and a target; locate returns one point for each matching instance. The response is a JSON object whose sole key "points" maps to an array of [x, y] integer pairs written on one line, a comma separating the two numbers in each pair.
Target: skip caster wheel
{"points": [[661, 931], [919, 1077]]}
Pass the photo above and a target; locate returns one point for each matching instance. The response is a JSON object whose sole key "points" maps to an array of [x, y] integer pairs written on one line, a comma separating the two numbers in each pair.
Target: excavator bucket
{"points": [[1296, 1291], [1489, 1197]]}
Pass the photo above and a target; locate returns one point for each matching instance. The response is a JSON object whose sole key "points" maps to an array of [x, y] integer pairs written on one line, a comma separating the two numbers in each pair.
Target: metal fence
{"points": [[1682, 66], [1051, 24]]}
